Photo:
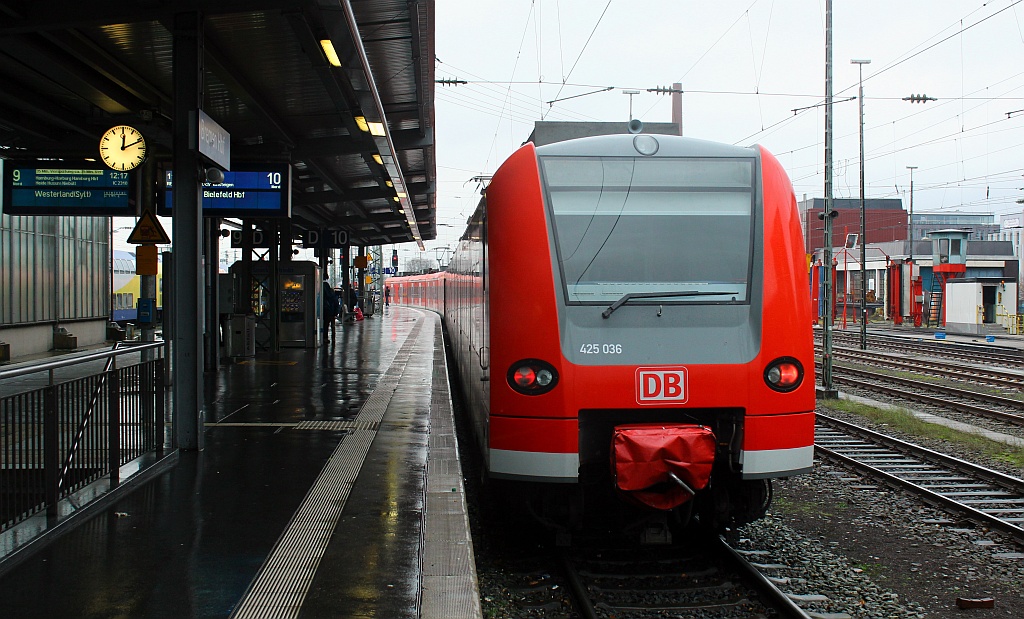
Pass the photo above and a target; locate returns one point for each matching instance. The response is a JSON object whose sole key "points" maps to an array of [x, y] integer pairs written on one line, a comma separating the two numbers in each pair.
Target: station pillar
{"points": [[187, 351]]}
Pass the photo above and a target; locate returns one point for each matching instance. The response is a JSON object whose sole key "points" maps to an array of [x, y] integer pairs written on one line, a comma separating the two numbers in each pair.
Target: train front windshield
{"points": [[632, 225]]}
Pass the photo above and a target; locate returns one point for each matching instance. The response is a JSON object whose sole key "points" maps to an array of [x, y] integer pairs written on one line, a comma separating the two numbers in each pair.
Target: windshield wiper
{"points": [[626, 298]]}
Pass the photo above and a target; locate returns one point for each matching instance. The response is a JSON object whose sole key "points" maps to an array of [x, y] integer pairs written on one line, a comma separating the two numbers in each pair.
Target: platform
{"points": [[329, 486]]}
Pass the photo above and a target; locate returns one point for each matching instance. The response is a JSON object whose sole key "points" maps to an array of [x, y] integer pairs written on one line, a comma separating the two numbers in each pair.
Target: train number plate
{"points": [[661, 385]]}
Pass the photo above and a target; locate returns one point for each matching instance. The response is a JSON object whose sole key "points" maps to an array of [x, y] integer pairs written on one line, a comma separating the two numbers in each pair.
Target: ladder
{"points": [[934, 316]]}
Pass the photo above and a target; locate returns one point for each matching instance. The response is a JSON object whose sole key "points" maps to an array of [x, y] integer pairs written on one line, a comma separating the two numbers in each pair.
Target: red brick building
{"points": [[885, 219]]}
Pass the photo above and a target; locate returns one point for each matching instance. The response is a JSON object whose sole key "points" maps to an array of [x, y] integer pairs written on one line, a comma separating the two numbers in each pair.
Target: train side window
{"points": [[483, 252]]}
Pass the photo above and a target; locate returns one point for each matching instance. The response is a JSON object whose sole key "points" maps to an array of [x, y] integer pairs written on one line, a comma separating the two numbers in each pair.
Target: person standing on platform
{"points": [[353, 298], [330, 302], [387, 296]]}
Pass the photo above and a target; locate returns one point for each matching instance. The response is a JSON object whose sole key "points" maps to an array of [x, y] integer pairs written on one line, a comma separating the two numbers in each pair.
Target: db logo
{"points": [[661, 385]]}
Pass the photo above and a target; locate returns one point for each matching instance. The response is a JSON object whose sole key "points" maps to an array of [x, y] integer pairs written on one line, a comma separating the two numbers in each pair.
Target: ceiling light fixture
{"points": [[361, 123], [332, 56], [376, 128], [377, 158]]}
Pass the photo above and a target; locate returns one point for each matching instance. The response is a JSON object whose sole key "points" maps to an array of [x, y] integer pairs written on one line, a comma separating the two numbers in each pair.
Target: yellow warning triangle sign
{"points": [[149, 230]]}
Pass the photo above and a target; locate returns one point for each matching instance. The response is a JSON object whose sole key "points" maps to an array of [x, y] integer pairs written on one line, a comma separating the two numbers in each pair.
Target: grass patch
{"points": [[902, 420], [874, 571]]}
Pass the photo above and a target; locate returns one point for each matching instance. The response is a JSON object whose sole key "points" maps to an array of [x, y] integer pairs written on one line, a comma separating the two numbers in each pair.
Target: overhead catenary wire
{"points": [[899, 140], [577, 61], [526, 28]]}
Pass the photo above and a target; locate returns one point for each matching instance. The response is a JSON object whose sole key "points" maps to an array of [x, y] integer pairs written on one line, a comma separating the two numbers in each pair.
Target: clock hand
{"points": [[132, 144], [122, 141]]}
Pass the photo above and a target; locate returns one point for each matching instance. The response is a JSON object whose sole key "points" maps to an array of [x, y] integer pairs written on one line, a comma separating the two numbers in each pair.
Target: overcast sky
{"points": [[745, 66]]}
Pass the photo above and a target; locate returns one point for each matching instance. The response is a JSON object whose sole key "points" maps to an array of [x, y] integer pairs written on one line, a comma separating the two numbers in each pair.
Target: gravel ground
{"points": [[873, 552], [878, 553], [904, 546]]}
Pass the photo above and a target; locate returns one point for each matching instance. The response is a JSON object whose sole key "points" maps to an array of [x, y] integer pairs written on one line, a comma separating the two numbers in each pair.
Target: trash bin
{"points": [[241, 340]]}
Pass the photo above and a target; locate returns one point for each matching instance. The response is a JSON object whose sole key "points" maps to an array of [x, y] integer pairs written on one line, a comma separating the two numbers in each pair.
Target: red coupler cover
{"points": [[644, 454]]}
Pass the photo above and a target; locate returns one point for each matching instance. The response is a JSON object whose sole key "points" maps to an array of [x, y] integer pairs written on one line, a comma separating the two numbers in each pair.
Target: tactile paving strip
{"points": [[338, 425], [283, 581]]}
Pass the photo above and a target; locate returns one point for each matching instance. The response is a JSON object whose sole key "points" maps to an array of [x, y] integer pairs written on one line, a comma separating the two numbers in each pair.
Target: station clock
{"points": [[122, 148]]}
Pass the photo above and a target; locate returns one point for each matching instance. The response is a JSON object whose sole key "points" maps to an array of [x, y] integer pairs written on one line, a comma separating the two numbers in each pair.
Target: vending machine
{"points": [[298, 299], [300, 312]]}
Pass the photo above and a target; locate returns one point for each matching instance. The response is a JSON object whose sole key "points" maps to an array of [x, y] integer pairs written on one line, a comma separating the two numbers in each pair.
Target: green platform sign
{"points": [[63, 188]]}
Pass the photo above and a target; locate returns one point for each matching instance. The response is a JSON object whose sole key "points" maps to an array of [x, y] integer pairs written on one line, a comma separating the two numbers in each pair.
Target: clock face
{"points": [[122, 148]]}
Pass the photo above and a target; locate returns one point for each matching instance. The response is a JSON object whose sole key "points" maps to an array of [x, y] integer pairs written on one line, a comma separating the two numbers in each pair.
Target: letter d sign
{"points": [[662, 385]]}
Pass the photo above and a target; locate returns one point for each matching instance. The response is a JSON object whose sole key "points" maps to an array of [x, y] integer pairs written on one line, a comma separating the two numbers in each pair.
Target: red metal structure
{"points": [[619, 307]]}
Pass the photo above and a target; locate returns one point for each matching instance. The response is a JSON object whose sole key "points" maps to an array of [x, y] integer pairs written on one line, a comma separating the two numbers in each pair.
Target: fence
{"points": [[62, 435]]}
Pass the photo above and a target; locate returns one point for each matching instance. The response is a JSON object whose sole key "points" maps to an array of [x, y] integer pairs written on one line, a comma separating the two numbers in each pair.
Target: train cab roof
{"points": [[629, 145]]}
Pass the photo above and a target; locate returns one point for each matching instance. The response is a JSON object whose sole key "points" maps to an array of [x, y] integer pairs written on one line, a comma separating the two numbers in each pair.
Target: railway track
{"points": [[713, 580], [970, 491], [933, 394], [987, 354], [956, 371]]}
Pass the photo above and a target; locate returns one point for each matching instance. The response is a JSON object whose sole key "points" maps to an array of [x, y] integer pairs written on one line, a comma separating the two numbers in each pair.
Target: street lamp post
{"points": [[863, 217]]}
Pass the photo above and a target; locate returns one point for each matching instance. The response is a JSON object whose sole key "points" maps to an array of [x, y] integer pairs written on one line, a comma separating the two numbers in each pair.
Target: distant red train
{"points": [[629, 316]]}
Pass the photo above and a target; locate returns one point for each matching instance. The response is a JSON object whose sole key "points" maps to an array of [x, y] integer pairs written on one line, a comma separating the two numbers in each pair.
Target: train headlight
{"points": [[646, 145], [784, 374], [532, 376]]}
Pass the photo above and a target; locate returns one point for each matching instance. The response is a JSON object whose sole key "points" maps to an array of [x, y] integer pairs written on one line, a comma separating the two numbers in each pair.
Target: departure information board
{"points": [[250, 190], [62, 188]]}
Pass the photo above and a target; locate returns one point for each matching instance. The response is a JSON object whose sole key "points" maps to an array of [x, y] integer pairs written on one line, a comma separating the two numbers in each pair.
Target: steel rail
{"points": [[971, 352], [716, 557], [999, 481], [776, 597], [848, 378], [922, 398], [995, 377], [580, 596]]}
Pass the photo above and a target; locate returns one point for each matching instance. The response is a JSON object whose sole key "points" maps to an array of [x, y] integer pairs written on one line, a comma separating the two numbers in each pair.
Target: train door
{"points": [[483, 295]]}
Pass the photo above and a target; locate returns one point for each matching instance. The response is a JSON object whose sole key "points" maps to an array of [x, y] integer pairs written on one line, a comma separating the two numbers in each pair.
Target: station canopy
{"points": [[358, 135]]}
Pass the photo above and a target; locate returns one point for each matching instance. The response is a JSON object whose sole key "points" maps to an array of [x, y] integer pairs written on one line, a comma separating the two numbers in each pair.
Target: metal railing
{"points": [[58, 434]]}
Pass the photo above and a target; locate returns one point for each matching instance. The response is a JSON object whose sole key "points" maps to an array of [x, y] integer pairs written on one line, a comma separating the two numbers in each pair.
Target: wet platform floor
{"points": [[307, 501]]}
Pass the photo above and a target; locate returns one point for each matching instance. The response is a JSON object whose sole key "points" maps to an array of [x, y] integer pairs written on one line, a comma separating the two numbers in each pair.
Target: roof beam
{"points": [[233, 79], [342, 26], [409, 139], [333, 146], [76, 44], [334, 197], [33, 105], [28, 125], [69, 73]]}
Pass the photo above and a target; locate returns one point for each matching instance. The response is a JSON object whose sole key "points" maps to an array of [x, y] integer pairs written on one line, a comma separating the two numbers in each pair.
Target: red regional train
{"points": [[629, 316]]}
